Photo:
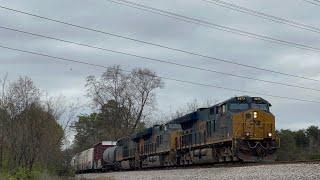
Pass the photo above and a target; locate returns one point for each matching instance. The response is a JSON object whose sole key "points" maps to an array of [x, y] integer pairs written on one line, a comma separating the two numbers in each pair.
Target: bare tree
{"points": [[31, 131], [132, 93], [143, 83], [21, 94], [63, 111]]}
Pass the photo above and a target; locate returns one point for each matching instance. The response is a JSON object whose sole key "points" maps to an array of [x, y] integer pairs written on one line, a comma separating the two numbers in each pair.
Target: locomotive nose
{"points": [[254, 124], [254, 131], [258, 125]]}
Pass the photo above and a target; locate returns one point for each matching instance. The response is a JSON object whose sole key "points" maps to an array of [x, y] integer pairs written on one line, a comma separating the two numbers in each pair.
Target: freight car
{"points": [[109, 159], [239, 129], [91, 159]]}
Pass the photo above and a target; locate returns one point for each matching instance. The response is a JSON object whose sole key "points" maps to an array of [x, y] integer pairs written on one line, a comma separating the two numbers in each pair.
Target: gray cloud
{"points": [[68, 79]]}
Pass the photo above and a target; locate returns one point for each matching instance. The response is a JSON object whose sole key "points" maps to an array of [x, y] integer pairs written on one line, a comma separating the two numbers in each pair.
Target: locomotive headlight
{"points": [[247, 134], [269, 134], [255, 115]]}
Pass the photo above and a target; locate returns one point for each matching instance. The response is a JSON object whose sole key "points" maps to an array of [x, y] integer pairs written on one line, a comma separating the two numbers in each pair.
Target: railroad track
{"points": [[221, 165], [235, 164]]}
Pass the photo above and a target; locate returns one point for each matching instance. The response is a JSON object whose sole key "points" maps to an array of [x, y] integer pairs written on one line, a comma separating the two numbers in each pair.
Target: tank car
{"points": [[109, 158]]}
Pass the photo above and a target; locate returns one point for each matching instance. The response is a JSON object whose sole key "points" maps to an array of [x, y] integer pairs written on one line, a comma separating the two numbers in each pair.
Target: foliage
{"points": [[130, 97], [22, 174], [30, 135], [124, 102], [299, 145], [108, 124]]}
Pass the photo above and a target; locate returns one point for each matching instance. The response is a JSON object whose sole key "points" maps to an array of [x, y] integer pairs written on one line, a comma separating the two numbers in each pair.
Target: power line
{"points": [[312, 2], [157, 60], [163, 77], [214, 26], [159, 45], [263, 15]]}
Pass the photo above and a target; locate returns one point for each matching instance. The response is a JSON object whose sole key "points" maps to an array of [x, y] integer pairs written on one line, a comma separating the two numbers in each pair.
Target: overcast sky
{"points": [[68, 79]]}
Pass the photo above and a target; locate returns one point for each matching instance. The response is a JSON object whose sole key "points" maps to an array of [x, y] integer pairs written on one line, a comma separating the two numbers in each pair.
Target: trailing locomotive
{"points": [[239, 129]]}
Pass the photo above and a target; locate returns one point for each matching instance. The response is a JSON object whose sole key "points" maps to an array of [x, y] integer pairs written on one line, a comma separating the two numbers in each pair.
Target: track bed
{"points": [[279, 170]]}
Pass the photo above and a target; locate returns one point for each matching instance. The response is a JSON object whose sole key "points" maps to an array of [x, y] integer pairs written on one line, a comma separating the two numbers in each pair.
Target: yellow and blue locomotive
{"points": [[239, 129]]}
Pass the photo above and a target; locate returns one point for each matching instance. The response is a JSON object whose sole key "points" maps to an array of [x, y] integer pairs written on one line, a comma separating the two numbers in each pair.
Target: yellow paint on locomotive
{"points": [[141, 145], [175, 139], [254, 124]]}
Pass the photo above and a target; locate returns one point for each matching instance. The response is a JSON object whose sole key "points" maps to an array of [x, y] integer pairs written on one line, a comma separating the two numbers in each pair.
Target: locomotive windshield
{"points": [[174, 126], [264, 107], [246, 106], [238, 106]]}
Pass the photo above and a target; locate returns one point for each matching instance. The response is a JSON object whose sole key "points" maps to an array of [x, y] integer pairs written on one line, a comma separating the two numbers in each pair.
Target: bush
{"points": [[315, 156], [24, 174]]}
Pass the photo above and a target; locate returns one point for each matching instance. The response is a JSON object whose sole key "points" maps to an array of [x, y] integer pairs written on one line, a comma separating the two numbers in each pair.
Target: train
{"points": [[240, 129]]}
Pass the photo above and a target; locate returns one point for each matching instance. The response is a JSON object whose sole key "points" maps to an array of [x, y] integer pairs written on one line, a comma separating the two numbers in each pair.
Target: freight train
{"points": [[238, 129]]}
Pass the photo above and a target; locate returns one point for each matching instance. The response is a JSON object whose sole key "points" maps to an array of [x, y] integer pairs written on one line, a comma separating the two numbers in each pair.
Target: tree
{"points": [[37, 137], [19, 98], [313, 133], [29, 128], [86, 132], [132, 94], [299, 145], [104, 125], [288, 146], [3, 122], [301, 138]]}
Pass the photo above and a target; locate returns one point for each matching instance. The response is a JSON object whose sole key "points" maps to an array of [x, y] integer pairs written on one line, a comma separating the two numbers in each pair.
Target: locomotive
{"points": [[238, 129]]}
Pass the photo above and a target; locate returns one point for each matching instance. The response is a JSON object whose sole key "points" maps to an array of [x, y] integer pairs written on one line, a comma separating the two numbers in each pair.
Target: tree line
{"points": [[303, 144], [31, 138]]}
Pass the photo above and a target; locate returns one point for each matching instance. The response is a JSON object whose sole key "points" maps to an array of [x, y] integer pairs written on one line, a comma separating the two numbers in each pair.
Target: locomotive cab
{"points": [[254, 131]]}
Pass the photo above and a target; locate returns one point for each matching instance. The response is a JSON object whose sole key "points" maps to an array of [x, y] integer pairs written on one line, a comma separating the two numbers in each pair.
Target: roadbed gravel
{"points": [[278, 171]]}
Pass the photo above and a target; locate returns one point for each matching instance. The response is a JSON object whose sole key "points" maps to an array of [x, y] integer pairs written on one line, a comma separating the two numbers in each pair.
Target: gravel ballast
{"points": [[280, 171]]}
